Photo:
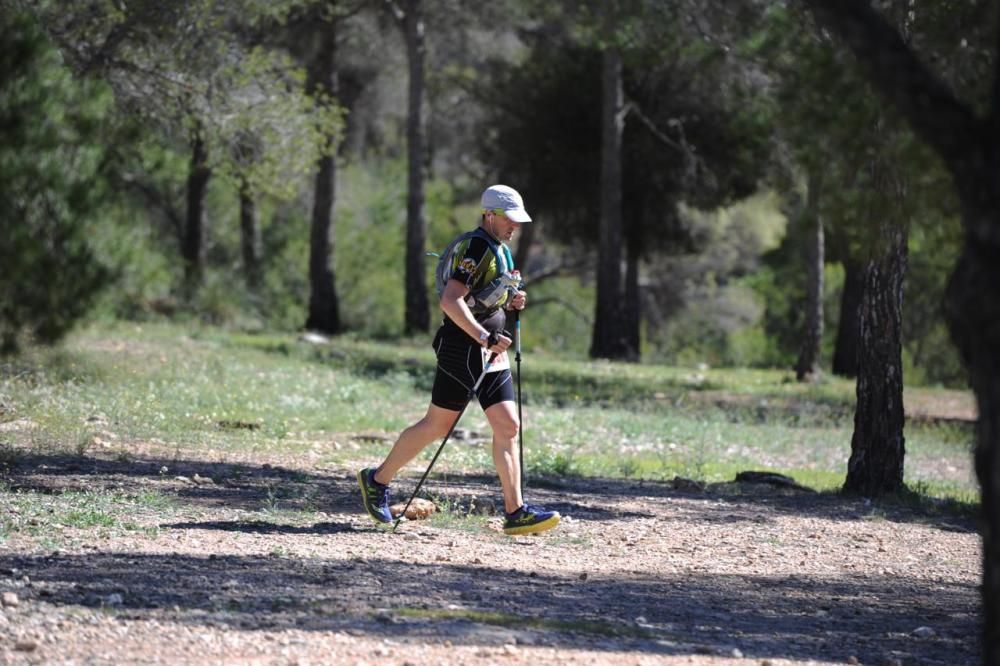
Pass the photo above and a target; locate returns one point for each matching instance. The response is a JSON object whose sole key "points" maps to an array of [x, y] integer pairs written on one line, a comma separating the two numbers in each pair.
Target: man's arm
{"points": [[453, 305]]}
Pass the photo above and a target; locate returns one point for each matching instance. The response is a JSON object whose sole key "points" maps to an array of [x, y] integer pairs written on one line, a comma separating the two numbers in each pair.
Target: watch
{"points": [[484, 338]]}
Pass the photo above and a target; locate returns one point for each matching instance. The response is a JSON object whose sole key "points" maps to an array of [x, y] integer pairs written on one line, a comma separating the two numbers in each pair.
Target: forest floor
{"points": [[168, 559]]}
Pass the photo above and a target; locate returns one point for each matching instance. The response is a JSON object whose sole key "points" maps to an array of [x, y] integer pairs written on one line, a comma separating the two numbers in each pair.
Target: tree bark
{"points": [[972, 308], [417, 316], [845, 354], [632, 307], [807, 367], [249, 238], [324, 309], [192, 245], [967, 144], [608, 341], [878, 446]]}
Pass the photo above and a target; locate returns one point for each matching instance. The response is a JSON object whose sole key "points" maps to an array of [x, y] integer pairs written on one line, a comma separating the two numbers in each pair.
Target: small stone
{"points": [[853, 661], [924, 632], [737, 653], [114, 599], [10, 600], [509, 649], [419, 509], [25, 645], [583, 576]]}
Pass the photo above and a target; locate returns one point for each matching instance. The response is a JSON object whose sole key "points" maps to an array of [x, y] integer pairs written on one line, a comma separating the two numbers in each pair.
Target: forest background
{"points": [[712, 183], [177, 152]]}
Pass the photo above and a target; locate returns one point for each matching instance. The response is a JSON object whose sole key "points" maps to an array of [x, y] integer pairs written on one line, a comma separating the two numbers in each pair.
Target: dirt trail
{"points": [[637, 573]]}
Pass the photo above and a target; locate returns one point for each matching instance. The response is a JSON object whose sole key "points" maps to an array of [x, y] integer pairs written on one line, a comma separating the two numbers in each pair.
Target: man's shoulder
{"points": [[477, 244]]}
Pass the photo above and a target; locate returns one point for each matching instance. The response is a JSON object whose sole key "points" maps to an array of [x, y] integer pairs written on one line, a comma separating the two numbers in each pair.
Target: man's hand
{"points": [[519, 301], [498, 342]]}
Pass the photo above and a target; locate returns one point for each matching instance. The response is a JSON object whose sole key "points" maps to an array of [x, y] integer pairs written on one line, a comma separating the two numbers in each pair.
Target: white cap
{"points": [[501, 197]]}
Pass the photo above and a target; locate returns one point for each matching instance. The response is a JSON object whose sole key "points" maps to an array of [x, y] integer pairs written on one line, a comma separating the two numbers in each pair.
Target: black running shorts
{"points": [[459, 364]]}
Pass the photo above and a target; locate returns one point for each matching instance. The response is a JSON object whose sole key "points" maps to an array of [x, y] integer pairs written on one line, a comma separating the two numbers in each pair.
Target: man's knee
{"points": [[506, 428]]}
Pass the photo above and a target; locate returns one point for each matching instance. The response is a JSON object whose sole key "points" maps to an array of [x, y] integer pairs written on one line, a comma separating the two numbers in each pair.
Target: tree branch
{"points": [[556, 271], [633, 108], [566, 304], [945, 123]]}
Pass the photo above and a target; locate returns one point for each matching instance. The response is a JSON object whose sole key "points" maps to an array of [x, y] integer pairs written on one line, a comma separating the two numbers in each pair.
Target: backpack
{"points": [[489, 295]]}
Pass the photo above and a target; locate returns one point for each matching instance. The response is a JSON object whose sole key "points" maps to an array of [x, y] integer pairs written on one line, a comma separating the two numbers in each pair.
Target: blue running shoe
{"points": [[375, 496], [530, 519]]}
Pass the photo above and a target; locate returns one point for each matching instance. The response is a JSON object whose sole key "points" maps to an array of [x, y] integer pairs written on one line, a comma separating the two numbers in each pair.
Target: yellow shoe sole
{"points": [[532, 529]]}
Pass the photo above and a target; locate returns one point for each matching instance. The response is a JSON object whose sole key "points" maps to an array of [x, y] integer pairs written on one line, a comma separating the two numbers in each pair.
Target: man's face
{"points": [[501, 226]]}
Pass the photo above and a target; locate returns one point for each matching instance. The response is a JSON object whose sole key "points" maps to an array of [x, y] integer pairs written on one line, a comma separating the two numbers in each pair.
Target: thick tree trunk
{"points": [[324, 309], [417, 316], [878, 446], [608, 341], [249, 238], [967, 144], [972, 306], [845, 354], [197, 185], [807, 367]]}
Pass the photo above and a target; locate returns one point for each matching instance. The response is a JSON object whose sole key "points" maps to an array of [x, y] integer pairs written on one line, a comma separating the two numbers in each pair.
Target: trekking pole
{"points": [[520, 421], [472, 394]]}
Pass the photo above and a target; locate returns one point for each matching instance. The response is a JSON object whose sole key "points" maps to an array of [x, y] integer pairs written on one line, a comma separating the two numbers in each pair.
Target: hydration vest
{"points": [[494, 293]]}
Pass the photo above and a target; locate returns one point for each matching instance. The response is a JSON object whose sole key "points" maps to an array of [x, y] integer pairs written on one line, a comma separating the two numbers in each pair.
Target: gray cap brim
{"points": [[518, 215]]}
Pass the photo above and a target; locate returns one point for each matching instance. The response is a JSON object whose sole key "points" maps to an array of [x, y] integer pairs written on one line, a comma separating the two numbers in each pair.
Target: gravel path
{"points": [[274, 564]]}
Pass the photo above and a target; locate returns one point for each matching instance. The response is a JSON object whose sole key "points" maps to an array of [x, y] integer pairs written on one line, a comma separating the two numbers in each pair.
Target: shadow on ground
{"points": [[763, 617], [255, 486], [799, 617]]}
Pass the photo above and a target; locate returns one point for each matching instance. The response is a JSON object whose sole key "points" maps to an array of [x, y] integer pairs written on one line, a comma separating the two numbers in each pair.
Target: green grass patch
{"points": [[198, 389], [46, 515]]}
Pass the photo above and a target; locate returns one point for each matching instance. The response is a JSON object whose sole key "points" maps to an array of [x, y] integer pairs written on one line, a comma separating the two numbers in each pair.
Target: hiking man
{"points": [[475, 294]]}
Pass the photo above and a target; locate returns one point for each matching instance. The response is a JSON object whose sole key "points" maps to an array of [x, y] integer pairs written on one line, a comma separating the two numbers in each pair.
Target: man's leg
{"points": [[435, 424], [503, 420]]}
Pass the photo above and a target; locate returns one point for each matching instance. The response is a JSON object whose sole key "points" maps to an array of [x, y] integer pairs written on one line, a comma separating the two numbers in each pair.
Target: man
{"points": [[475, 299]]}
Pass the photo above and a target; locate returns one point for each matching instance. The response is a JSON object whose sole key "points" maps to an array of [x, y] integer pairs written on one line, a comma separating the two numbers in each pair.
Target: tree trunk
{"points": [[324, 310], [845, 354], [608, 341], [632, 308], [197, 185], [807, 368], [417, 317], [972, 307], [249, 238], [878, 446], [967, 144]]}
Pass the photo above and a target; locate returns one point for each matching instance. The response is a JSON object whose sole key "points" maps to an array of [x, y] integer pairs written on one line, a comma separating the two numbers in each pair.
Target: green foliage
{"points": [[53, 187], [872, 168], [707, 310], [265, 133]]}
